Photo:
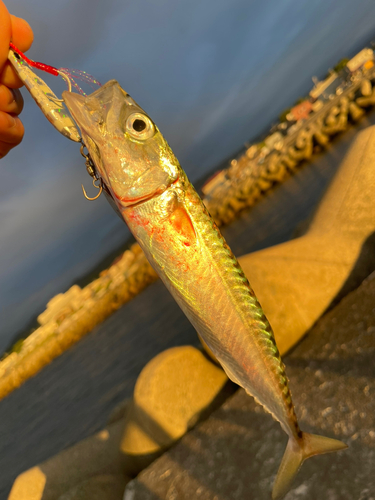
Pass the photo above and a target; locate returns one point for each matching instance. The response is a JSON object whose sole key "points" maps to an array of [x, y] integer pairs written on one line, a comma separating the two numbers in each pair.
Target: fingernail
{"points": [[14, 96]]}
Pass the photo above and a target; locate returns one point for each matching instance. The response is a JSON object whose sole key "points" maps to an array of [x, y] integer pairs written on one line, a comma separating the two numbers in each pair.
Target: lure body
{"points": [[156, 200], [52, 107]]}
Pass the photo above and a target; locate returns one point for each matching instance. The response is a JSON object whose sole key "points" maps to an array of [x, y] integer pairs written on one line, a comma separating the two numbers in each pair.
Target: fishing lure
{"points": [[52, 107], [154, 197]]}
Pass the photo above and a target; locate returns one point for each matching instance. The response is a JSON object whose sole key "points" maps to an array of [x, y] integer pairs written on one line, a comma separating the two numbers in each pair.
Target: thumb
{"points": [[5, 34]]}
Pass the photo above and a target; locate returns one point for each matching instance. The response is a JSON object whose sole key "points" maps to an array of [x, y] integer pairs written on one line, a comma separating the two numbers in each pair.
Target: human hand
{"points": [[11, 102]]}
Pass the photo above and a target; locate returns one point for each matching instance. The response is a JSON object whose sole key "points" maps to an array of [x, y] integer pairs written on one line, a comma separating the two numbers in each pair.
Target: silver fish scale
{"points": [[244, 329]]}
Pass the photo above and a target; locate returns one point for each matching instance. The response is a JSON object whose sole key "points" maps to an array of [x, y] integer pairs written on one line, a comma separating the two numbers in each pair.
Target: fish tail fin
{"points": [[296, 453]]}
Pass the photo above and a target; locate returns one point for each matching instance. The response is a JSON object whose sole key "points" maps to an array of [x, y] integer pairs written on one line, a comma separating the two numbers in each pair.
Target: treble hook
{"points": [[97, 187]]}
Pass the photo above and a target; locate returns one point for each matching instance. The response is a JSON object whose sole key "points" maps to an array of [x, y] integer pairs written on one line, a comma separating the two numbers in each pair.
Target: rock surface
{"points": [[172, 392], [106, 487], [235, 454]]}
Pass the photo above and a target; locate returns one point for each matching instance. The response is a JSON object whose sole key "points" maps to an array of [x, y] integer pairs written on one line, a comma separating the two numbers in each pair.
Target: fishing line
{"points": [[68, 75]]}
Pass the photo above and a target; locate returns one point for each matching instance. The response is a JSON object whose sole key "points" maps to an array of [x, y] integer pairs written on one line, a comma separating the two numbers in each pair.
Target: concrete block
{"points": [[72, 470], [297, 281], [173, 391], [106, 487]]}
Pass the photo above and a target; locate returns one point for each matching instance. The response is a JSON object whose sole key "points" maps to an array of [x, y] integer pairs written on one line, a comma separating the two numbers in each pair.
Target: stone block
{"points": [[297, 281], [29, 485], [74, 472], [60, 304], [174, 390], [105, 487], [119, 412]]}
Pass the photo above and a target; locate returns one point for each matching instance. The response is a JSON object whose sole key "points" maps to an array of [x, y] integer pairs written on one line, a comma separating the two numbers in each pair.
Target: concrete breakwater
{"points": [[70, 316], [247, 179]]}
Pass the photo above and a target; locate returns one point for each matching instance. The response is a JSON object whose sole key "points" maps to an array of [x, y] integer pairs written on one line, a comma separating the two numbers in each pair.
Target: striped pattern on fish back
{"points": [[244, 297]]}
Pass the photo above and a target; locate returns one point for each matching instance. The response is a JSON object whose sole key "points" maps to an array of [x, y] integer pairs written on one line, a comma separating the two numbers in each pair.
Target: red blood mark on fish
{"points": [[136, 217]]}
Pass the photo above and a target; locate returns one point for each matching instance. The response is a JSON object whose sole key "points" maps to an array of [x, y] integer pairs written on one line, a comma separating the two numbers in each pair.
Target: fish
{"points": [[150, 191]]}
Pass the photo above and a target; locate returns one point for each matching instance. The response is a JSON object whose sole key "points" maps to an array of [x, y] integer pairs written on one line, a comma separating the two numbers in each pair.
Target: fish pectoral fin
{"points": [[182, 225], [297, 451]]}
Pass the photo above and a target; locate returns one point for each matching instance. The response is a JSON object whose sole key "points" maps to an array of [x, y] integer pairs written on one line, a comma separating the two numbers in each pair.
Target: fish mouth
{"points": [[81, 107], [128, 201], [72, 97], [131, 202]]}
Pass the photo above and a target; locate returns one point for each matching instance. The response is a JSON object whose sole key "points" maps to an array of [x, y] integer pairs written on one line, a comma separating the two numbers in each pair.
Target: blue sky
{"points": [[211, 74]]}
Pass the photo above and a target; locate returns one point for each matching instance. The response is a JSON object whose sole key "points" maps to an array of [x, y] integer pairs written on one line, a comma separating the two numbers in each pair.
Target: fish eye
{"points": [[139, 126]]}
